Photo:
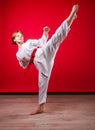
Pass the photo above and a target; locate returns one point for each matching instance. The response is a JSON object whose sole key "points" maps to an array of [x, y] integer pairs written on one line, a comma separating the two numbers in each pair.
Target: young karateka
{"points": [[42, 54]]}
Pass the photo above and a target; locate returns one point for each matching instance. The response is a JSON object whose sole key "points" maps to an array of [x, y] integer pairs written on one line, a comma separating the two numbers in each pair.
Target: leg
{"points": [[60, 34], [43, 85]]}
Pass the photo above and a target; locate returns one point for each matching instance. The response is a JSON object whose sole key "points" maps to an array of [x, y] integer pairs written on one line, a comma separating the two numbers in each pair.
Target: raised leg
{"points": [[59, 36]]}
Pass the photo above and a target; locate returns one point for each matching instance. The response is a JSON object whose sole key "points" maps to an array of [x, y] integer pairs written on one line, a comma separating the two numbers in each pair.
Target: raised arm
{"points": [[44, 37]]}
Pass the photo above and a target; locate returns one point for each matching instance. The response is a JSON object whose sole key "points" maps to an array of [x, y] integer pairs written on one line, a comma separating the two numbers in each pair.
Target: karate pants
{"points": [[44, 59]]}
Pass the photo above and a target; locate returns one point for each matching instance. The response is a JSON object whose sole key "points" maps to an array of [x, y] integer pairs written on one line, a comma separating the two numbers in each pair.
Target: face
{"points": [[19, 38]]}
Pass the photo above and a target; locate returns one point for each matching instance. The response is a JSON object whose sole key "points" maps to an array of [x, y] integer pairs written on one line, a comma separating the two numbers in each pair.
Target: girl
{"points": [[42, 54]]}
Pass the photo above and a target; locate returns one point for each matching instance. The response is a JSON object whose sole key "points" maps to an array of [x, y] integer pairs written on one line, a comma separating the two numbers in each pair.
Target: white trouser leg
{"points": [[43, 85], [53, 44]]}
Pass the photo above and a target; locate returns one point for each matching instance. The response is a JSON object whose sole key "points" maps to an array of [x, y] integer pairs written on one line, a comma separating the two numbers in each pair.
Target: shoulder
{"points": [[29, 40]]}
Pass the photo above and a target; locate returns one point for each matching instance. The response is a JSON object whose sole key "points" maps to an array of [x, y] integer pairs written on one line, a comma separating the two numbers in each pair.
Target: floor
{"points": [[63, 112]]}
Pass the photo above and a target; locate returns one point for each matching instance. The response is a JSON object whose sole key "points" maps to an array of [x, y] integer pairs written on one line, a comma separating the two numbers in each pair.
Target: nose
{"points": [[20, 36]]}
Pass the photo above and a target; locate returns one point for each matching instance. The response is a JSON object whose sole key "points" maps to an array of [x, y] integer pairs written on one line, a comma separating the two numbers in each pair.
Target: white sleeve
{"points": [[37, 42], [32, 42], [42, 40]]}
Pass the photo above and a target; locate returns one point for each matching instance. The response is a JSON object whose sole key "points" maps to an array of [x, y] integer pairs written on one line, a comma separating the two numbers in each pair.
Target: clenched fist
{"points": [[46, 28]]}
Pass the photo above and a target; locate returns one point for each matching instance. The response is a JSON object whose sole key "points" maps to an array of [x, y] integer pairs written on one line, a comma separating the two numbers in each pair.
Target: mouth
{"points": [[21, 39]]}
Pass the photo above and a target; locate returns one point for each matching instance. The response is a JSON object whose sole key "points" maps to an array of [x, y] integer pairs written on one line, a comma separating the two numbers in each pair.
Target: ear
{"points": [[14, 41]]}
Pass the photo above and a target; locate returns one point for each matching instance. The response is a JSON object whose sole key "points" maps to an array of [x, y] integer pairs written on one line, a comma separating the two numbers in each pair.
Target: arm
{"points": [[44, 37], [42, 40]]}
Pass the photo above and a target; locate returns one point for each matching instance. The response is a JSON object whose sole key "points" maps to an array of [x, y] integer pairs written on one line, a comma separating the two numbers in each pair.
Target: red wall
{"points": [[74, 69]]}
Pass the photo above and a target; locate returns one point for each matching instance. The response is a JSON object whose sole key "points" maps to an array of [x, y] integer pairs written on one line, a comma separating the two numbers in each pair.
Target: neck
{"points": [[19, 45]]}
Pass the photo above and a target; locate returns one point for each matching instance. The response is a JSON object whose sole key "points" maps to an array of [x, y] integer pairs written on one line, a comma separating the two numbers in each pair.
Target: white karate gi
{"points": [[44, 57]]}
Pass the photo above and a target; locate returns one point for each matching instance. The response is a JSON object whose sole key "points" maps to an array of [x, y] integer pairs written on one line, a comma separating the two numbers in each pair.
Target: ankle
{"points": [[42, 106]]}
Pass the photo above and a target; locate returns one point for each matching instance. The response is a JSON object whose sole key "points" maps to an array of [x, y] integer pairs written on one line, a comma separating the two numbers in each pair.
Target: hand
{"points": [[46, 29], [24, 60]]}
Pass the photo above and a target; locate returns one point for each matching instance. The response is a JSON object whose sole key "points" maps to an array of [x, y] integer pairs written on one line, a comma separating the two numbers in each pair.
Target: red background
{"points": [[74, 68]]}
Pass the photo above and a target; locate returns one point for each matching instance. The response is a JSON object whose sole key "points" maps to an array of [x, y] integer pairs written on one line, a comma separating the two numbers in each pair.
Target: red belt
{"points": [[31, 60], [32, 56]]}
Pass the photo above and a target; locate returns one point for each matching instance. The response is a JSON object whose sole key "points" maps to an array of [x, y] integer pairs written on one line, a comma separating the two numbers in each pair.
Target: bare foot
{"points": [[39, 110], [75, 8], [72, 15]]}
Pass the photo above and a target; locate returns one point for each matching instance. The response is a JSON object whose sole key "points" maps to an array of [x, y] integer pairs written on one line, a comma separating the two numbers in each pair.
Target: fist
{"points": [[46, 29], [24, 61]]}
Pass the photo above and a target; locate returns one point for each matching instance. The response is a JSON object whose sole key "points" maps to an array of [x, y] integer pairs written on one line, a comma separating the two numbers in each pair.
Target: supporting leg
{"points": [[43, 85]]}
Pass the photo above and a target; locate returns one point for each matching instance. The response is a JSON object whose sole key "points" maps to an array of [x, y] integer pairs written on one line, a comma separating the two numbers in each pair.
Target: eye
{"points": [[17, 35]]}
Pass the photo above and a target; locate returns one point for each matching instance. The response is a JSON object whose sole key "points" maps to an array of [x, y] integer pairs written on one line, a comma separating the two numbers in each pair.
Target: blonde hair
{"points": [[14, 35]]}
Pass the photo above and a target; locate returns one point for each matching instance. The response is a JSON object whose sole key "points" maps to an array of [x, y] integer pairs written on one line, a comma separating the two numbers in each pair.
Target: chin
{"points": [[20, 42]]}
